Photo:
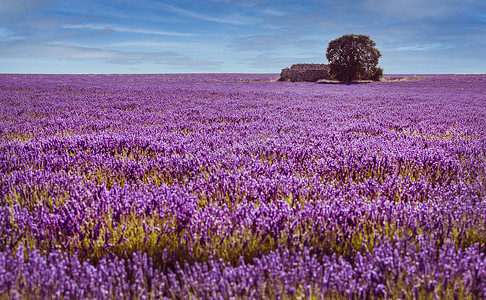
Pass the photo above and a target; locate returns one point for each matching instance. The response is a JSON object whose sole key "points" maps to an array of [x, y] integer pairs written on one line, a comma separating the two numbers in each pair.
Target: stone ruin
{"points": [[305, 73]]}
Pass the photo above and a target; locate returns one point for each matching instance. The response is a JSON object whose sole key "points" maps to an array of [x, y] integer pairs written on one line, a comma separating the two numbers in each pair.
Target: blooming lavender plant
{"points": [[237, 186]]}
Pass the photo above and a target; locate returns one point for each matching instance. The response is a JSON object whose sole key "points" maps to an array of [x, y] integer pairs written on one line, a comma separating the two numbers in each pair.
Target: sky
{"points": [[235, 36]]}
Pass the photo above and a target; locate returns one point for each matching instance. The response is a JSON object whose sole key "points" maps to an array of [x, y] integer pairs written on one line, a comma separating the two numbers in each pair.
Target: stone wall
{"points": [[305, 73]]}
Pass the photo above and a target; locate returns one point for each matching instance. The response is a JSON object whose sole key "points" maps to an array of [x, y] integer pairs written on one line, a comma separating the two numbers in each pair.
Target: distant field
{"points": [[234, 186]]}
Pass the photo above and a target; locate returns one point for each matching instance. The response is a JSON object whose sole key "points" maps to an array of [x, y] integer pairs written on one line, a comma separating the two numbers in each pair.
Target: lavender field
{"points": [[234, 186]]}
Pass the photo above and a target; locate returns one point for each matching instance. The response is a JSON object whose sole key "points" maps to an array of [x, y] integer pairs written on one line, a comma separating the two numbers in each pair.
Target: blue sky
{"points": [[234, 36]]}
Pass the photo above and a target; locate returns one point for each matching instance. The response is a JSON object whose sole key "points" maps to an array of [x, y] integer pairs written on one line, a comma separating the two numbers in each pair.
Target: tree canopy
{"points": [[353, 57]]}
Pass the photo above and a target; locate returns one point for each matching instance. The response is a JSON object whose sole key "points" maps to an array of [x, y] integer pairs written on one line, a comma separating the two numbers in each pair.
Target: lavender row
{"points": [[394, 270], [39, 106], [341, 196]]}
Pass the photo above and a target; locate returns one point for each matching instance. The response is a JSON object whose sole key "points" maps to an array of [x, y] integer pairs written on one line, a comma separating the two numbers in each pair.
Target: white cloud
{"points": [[106, 27], [162, 45], [54, 50], [422, 47], [232, 19], [274, 12], [19, 49], [6, 35]]}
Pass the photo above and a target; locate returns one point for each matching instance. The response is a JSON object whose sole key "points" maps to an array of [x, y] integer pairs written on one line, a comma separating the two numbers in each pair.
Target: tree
{"points": [[353, 57]]}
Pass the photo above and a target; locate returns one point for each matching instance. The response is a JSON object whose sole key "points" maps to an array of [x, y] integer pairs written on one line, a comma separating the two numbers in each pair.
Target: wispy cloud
{"points": [[52, 50], [73, 52], [423, 47], [162, 45], [274, 12], [6, 34], [109, 27], [278, 41], [237, 19], [275, 61]]}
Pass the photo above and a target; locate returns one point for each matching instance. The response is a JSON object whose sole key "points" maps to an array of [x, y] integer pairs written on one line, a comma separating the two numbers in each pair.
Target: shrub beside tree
{"points": [[353, 57]]}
